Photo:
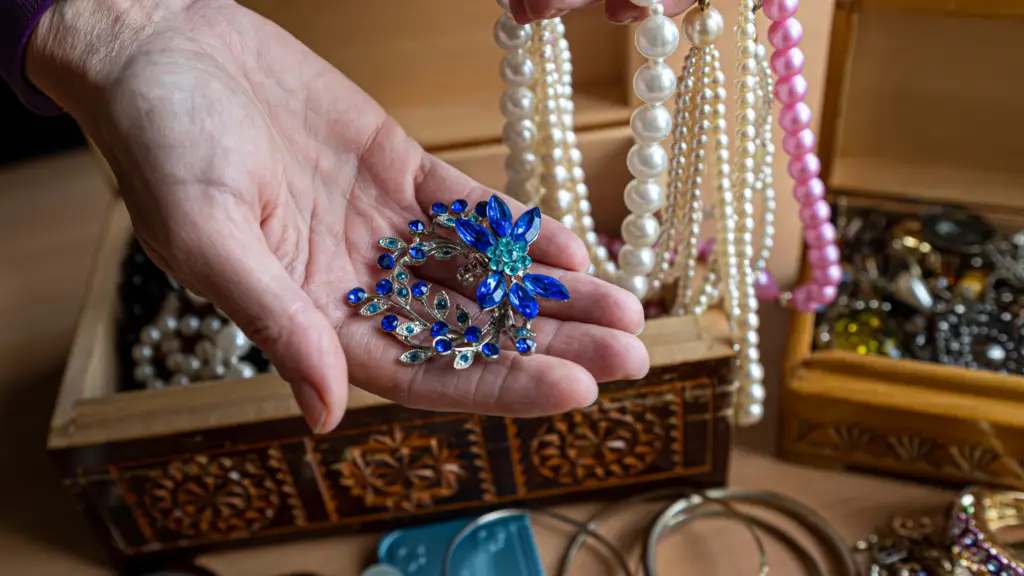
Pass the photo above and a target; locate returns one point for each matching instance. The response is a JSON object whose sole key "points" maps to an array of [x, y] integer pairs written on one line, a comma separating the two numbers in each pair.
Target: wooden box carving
{"points": [[889, 136]]}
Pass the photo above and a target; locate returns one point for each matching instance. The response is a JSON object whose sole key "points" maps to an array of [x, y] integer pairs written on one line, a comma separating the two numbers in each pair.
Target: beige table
{"points": [[50, 214]]}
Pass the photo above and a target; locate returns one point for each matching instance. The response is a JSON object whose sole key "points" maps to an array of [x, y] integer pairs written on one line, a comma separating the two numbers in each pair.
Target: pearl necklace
{"points": [[544, 166]]}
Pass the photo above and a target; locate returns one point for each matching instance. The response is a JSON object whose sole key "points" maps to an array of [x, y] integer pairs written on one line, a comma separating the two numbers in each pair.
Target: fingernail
{"points": [[312, 406], [641, 330]]}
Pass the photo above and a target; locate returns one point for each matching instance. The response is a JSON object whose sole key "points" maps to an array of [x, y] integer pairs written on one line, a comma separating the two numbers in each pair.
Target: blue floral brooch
{"points": [[496, 250]]}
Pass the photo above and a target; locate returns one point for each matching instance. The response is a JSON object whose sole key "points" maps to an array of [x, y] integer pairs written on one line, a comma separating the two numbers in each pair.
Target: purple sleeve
{"points": [[18, 18]]}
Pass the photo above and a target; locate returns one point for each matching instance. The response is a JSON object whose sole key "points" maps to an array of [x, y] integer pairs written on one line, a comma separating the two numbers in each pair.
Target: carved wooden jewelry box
{"points": [[173, 472], [919, 107]]}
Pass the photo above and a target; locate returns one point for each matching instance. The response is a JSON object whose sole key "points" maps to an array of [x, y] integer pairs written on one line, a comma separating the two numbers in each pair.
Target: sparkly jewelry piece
{"points": [[496, 249], [977, 516]]}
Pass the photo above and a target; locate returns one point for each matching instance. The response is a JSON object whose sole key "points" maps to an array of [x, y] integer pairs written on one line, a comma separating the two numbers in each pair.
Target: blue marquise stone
{"points": [[417, 226], [491, 291], [389, 323], [473, 334], [384, 287], [356, 295], [459, 206], [478, 237], [443, 345], [386, 261], [527, 227], [439, 329], [545, 287], [499, 216], [420, 289], [439, 208], [490, 350], [523, 301]]}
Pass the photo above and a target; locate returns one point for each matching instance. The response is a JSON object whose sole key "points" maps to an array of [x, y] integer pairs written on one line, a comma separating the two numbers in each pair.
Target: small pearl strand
{"points": [[763, 186], [518, 103], [799, 142], [657, 37], [750, 372]]}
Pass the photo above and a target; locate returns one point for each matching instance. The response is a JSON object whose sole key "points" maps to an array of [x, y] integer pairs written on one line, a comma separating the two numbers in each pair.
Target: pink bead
{"points": [[795, 117], [823, 294], [821, 235], [804, 168], [815, 213], [809, 191], [827, 276], [765, 287], [823, 256], [800, 143], [802, 300], [791, 90], [787, 63], [704, 250], [785, 34], [777, 10]]}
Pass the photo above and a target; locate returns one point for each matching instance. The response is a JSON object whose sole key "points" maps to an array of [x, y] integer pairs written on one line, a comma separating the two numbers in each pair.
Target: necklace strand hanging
{"points": [[662, 249]]}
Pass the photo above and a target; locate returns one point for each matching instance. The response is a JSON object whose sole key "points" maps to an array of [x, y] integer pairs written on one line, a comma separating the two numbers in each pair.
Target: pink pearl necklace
{"points": [[799, 141]]}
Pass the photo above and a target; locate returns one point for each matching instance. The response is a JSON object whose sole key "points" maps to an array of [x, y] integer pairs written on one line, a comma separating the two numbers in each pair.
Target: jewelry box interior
{"points": [[914, 371]]}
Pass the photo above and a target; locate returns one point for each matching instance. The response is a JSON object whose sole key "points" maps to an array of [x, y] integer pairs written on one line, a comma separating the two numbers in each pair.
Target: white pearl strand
{"points": [[518, 104], [657, 37], [763, 186]]}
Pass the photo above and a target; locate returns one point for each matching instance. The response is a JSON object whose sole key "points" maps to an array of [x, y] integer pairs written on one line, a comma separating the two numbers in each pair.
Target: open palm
{"points": [[261, 178]]}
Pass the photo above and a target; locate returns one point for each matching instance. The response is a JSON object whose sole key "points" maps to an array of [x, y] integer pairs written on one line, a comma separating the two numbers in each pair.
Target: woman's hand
{"points": [[260, 177], [621, 11]]}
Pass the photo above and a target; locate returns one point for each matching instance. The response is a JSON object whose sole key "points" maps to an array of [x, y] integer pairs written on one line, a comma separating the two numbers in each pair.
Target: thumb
{"points": [[235, 269]]}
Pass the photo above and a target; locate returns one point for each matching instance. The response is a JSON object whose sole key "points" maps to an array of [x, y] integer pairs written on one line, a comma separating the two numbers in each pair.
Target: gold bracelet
{"points": [[979, 517]]}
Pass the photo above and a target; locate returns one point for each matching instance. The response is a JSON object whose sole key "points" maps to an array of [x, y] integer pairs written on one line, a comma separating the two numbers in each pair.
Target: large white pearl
{"points": [[638, 285], [640, 230], [644, 196], [211, 325], [166, 323], [517, 69], [241, 370], [633, 260], [753, 394], [749, 414], [654, 82], [651, 123], [522, 165], [517, 103], [510, 35], [657, 37], [565, 199], [142, 353], [519, 136], [702, 27], [647, 161], [232, 341], [150, 335], [189, 325]]}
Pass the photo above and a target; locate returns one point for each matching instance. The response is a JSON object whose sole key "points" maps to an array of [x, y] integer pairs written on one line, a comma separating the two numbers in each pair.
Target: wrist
{"points": [[79, 46]]}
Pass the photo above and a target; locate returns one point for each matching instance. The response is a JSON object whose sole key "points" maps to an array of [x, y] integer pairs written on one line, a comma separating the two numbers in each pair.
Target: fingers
{"points": [[231, 264], [608, 355], [592, 301], [557, 245], [621, 11]]}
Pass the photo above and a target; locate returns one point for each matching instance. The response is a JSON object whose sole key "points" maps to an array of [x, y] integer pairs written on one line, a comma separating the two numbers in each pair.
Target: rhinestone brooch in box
{"points": [[496, 250]]}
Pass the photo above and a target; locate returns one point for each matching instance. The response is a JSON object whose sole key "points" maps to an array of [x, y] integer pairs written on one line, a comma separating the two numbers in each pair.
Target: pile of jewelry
{"points": [[168, 336], [940, 284]]}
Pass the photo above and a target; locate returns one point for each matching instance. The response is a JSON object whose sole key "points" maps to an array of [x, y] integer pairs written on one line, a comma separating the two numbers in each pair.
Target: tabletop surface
{"points": [[50, 217]]}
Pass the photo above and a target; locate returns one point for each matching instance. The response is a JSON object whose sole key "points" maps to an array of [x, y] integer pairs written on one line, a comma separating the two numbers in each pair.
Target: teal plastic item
{"points": [[504, 547]]}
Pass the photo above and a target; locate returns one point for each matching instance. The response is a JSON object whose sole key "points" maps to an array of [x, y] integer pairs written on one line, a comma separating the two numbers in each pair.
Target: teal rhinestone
{"points": [[524, 262], [522, 247], [410, 329], [402, 276], [391, 243], [372, 308], [402, 292], [414, 356], [505, 243], [522, 333], [511, 269], [509, 255], [495, 265], [492, 252]]}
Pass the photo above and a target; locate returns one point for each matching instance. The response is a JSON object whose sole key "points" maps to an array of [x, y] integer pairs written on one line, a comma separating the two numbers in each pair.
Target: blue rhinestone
{"points": [[439, 329], [443, 345], [414, 356], [386, 261], [525, 345], [459, 206], [384, 287], [499, 216], [420, 289], [523, 301], [389, 323], [490, 350], [475, 235], [402, 276], [417, 251], [356, 295], [473, 334], [462, 318], [481, 209], [527, 227], [439, 208], [441, 305], [491, 291], [417, 226], [545, 287], [390, 243], [402, 292]]}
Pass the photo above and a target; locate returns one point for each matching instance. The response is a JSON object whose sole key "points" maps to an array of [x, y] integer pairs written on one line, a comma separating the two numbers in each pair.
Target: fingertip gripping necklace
{"points": [[662, 249]]}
